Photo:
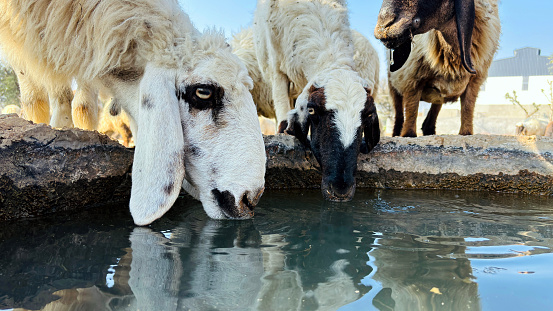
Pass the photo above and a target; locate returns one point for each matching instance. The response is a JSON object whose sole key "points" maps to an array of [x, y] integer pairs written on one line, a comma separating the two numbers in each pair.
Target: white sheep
{"points": [[186, 94], [532, 126], [305, 49], [11, 109], [365, 58], [442, 50]]}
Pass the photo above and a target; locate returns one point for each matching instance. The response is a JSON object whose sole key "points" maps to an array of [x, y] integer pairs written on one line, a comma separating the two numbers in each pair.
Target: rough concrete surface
{"points": [[515, 164], [43, 170]]}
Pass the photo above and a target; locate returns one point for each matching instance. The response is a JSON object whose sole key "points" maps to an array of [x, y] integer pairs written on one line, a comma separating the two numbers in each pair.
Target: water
{"points": [[386, 250]]}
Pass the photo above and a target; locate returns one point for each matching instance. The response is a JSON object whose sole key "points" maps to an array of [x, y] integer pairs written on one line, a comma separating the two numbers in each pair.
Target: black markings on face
{"points": [[204, 97], [147, 102], [226, 202], [338, 164]]}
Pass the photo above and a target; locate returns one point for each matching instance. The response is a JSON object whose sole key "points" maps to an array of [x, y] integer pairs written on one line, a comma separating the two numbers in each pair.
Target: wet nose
{"points": [[342, 191], [250, 199], [240, 207], [338, 192]]}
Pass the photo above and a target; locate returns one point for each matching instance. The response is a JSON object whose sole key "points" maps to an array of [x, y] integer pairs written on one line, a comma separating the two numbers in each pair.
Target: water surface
{"points": [[385, 250]]}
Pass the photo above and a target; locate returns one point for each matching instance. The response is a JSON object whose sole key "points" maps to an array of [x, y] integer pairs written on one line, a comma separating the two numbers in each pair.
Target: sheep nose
{"points": [[342, 192], [250, 200], [386, 17]]}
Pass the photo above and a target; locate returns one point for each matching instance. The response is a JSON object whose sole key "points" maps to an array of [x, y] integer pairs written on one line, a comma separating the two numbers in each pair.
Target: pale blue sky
{"points": [[525, 23]]}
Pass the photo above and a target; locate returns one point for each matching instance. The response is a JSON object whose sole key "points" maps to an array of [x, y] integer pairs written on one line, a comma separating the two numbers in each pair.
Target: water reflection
{"points": [[387, 250]]}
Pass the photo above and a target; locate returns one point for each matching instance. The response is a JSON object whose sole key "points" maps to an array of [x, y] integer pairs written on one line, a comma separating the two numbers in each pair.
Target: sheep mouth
{"points": [[399, 55], [331, 194]]}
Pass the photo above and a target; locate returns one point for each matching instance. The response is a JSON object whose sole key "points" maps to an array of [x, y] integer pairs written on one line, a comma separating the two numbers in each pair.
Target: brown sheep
{"points": [[441, 51]]}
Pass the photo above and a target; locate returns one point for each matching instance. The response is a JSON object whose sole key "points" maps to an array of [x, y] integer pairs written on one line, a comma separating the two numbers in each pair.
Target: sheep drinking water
{"points": [[305, 49], [186, 94]]}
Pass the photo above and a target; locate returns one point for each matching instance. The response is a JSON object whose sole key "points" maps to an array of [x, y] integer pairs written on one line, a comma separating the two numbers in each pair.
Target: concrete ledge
{"points": [[513, 164], [43, 170]]}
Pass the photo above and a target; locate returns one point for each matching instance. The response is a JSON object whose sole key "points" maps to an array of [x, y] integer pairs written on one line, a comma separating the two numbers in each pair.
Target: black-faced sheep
{"points": [[441, 50], [186, 94], [305, 49], [365, 59]]}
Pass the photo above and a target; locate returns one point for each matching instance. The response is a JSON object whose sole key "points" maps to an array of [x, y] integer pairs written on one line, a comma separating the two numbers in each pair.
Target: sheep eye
{"points": [[203, 93], [311, 110]]}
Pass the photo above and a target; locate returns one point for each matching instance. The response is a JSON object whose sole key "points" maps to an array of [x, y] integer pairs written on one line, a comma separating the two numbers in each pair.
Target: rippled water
{"points": [[386, 250]]}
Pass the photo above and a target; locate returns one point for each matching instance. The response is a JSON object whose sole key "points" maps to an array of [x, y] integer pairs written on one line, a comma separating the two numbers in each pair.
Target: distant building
{"points": [[526, 73]]}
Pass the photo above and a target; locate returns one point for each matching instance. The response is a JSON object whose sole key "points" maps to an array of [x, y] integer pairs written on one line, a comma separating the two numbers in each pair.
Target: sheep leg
{"points": [[34, 99], [411, 104], [281, 100], [60, 101], [84, 107], [398, 107], [468, 99], [429, 124]]}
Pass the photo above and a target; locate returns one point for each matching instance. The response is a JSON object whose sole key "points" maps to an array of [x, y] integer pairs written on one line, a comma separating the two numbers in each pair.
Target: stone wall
{"points": [[514, 164], [43, 170]]}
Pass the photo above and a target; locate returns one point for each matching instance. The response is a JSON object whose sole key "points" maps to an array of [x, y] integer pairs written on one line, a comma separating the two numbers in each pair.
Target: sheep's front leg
{"points": [[429, 124], [398, 107], [281, 100], [468, 99], [34, 99], [411, 105], [84, 107], [60, 102]]}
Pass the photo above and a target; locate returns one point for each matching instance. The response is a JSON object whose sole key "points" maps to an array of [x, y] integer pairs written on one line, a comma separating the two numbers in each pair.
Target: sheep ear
{"points": [[465, 15], [298, 126], [158, 168], [371, 125]]}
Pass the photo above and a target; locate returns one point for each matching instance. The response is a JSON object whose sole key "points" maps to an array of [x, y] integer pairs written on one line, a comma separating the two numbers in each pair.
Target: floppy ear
{"points": [[465, 15], [371, 125], [158, 168], [298, 126]]}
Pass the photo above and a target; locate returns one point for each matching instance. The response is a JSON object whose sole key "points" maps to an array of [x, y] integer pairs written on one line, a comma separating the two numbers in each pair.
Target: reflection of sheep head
{"points": [[412, 275]]}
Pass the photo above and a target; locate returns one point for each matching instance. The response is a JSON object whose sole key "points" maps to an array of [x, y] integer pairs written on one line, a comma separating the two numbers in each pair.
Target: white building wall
{"points": [[496, 87]]}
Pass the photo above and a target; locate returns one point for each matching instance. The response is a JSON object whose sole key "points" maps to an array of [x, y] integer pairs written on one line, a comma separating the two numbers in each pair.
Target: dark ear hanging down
{"points": [[298, 128], [465, 15], [371, 125]]}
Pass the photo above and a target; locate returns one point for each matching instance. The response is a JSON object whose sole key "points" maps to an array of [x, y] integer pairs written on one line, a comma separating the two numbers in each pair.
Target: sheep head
{"points": [[198, 128], [400, 20], [337, 109]]}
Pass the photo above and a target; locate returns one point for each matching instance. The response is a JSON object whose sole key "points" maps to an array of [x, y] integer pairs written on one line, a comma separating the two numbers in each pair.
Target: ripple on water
{"points": [[388, 249]]}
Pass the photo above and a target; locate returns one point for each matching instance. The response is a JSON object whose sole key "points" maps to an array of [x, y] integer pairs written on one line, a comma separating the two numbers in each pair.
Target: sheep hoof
{"points": [[409, 134], [426, 131]]}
